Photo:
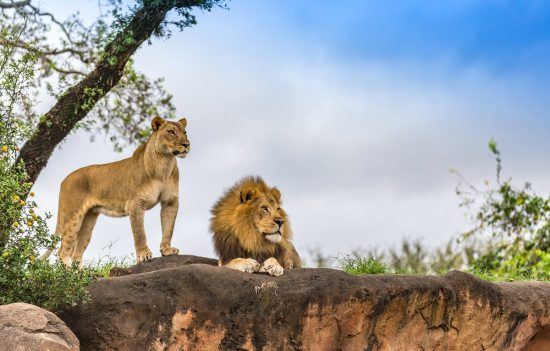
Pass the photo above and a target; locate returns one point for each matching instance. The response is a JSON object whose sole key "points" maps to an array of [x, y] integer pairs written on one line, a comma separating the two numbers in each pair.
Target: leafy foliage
{"points": [[67, 50], [23, 233], [510, 239], [514, 222], [362, 265]]}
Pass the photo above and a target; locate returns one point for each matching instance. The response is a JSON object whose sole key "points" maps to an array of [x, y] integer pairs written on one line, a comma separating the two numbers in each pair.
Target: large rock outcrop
{"points": [[25, 327], [203, 307]]}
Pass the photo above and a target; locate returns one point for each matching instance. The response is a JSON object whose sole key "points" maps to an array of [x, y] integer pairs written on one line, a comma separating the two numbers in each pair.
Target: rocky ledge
{"points": [[175, 303]]}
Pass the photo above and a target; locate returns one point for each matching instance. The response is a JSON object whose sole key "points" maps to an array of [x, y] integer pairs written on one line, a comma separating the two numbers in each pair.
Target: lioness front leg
{"points": [[137, 211], [168, 214], [247, 265], [272, 267]]}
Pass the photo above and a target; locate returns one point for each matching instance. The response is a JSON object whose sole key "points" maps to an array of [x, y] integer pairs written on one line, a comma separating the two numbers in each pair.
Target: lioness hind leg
{"points": [[67, 228], [84, 235], [247, 265]]}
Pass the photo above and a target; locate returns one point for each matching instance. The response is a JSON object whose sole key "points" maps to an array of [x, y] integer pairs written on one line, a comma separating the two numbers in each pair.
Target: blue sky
{"points": [[357, 111], [501, 35]]}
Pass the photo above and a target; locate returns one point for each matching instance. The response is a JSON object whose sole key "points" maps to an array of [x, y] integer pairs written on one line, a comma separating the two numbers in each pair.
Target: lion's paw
{"points": [[144, 255], [272, 267], [247, 265], [168, 251]]}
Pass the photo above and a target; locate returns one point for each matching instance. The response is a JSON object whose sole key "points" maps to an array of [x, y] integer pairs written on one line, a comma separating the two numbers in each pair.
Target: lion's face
{"points": [[268, 218], [171, 137]]}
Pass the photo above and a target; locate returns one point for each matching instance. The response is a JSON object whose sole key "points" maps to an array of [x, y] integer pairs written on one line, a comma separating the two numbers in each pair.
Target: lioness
{"points": [[127, 187], [249, 226]]}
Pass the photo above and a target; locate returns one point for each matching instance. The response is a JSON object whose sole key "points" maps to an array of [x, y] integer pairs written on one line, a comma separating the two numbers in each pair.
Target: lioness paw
{"points": [[144, 255], [167, 251], [67, 261], [272, 267]]}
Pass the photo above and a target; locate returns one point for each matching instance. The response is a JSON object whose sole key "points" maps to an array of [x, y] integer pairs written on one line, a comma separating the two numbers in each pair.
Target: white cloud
{"points": [[361, 150], [361, 153]]}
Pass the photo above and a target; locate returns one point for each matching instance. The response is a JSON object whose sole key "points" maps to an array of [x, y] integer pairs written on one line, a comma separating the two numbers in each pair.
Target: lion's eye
{"points": [[172, 132], [278, 209], [264, 208]]}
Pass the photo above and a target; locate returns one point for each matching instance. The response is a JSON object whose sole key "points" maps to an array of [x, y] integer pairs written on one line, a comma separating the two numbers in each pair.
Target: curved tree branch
{"points": [[11, 5], [78, 100]]}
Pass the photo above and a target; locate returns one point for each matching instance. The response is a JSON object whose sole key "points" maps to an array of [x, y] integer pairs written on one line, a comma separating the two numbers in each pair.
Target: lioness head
{"points": [[170, 137]]}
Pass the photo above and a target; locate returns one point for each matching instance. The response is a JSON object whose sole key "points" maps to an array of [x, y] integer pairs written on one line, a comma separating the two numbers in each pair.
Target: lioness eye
{"points": [[264, 208], [172, 132], [278, 209]]}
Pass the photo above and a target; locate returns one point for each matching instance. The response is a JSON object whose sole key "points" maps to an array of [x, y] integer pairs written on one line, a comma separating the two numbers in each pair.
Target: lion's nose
{"points": [[279, 221], [185, 145]]}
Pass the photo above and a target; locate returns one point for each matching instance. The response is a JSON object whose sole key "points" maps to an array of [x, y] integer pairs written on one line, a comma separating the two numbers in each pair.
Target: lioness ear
{"points": [[183, 122], [157, 122], [276, 194], [247, 194]]}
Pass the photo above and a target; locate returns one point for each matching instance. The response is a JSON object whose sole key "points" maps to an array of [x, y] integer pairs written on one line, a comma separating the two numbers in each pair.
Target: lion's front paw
{"points": [[272, 267], [167, 251], [247, 265], [144, 255]]}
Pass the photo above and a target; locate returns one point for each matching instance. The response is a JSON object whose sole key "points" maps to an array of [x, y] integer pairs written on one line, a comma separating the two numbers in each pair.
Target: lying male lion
{"points": [[127, 187], [249, 227]]}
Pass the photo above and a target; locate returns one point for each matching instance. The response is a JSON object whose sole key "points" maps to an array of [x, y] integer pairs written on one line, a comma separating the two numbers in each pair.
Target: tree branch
{"points": [[16, 4], [78, 100]]}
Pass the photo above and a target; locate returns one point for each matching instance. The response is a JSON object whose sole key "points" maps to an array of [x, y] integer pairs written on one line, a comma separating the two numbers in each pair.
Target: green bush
{"points": [[363, 265], [510, 239], [514, 224], [23, 233]]}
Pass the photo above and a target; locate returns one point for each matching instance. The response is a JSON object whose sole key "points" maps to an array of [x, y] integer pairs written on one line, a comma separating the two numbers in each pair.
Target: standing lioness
{"points": [[127, 187]]}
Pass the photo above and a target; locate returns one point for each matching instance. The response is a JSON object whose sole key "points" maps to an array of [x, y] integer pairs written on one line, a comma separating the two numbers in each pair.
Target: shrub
{"points": [[23, 233], [363, 265], [515, 225]]}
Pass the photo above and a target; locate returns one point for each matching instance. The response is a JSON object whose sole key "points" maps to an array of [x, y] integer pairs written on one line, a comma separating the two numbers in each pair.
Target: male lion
{"points": [[249, 226], [127, 187]]}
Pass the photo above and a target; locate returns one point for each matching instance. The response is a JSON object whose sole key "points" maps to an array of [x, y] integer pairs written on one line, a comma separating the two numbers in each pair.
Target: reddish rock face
{"points": [[203, 307], [25, 327]]}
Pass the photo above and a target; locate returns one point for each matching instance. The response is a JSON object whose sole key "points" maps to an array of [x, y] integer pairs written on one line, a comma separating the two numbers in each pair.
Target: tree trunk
{"points": [[78, 100]]}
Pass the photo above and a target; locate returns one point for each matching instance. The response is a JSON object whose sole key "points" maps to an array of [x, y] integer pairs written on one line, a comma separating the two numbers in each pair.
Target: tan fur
{"points": [[244, 220], [127, 187]]}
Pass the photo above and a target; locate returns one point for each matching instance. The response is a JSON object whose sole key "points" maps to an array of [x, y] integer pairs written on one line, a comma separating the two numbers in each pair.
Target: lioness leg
{"points": [[272, 267], [137, 211], [247, 265], [67, 228], [84, 235], [168, 213]]}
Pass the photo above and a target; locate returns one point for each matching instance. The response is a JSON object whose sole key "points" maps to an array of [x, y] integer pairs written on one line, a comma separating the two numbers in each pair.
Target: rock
{"points": [[25, 327], [202, 307], [159, 263]]}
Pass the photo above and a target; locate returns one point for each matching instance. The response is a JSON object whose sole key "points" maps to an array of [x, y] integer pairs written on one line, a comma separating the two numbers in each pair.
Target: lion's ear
{"points": [[247, 194], [156, 123], [276, 194], [183, 122]]}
